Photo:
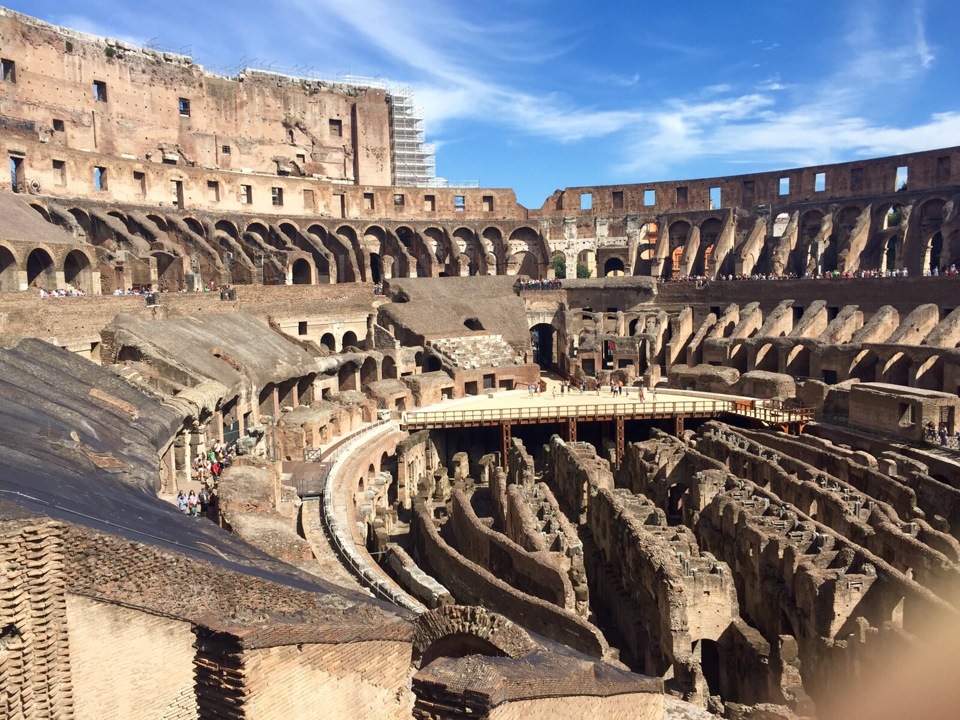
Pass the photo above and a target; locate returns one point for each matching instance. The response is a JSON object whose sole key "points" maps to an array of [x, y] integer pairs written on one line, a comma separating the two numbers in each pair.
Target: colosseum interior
{"points": [[689, 452]]}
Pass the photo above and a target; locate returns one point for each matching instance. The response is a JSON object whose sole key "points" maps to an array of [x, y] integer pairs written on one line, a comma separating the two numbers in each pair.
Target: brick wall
{"points": [[128, 663], [351, 680], [632, 706]]}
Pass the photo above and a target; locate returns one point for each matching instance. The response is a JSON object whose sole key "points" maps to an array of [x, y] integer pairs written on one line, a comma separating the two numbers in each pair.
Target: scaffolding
{"points": [[414, 160]]}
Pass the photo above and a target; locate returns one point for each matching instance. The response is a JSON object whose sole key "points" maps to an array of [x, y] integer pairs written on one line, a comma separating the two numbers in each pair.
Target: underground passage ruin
{"points": [[425, 520]]}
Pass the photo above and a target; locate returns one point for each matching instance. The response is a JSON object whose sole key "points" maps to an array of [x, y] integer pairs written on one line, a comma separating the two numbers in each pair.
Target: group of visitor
{"points": [[198, 504], [211, 465], [941, 436], [378, 288], [69, 292], [702, 280], [545, 284]]}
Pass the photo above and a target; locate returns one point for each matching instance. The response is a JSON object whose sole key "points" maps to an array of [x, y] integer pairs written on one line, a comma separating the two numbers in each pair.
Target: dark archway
{"points": [[349, 339], [77, 271], [329, 342], [9, 274], [301, 272], [613, 267], [542, 340], [40, 270], [376, 268], [169, 272]]}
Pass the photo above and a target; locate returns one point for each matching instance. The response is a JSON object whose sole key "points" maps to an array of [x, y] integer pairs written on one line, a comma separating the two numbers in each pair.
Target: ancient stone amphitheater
{"points": [[440, 508]]}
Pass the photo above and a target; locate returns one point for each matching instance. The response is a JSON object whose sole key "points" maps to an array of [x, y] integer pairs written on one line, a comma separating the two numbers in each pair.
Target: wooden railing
{"points": [[421, 420]]}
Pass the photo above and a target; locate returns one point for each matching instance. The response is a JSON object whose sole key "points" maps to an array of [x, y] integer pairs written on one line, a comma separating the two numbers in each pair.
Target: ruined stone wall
{"points": [[533, 573], [577, 474], [129, 663], [930, 169], [471, 584], [356, 680]]}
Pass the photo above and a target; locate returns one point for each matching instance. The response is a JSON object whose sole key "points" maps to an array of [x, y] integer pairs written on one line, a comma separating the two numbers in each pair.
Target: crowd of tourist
{"points": [[702, 280], [207, 469], [69, 292], [545, 284]]}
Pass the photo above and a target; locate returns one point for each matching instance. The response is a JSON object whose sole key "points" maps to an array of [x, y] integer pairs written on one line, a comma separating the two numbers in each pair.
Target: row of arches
{"points": [[39, 270]]}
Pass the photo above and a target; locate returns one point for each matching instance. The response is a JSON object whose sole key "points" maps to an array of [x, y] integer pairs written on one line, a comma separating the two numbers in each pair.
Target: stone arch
{"points": [[328, 341], [613, 267], [159, 221], [347, 376], [9, 270], [347, 235], [438, 249], [709, 235], [225, 226], [798, 361], [368, 372], [388, 368], [349, 339], [41, 272], [645, 255], [527, 240], [83, 220], [339, 252], [470, 250], [78, 271], [929, 374], [766, 358], [587, 258], [543, 341], [523, 263], [42, 210], [930, 220], [493, 245], [677, 234], [864, 366], [455, 631], [897, 370], [301, 272], [195, 226]]}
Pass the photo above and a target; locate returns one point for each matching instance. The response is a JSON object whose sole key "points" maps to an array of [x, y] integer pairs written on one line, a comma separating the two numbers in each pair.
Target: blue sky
{"points": [[539, 95]]}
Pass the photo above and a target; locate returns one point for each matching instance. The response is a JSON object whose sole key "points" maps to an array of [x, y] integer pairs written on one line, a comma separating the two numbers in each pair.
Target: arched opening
{"points": [[368, 372], [389, 368], [676, 500], [936, 250], [349, 340], [897, 370], [9, 275], [347, 377], [227, 227], [457, 645], [633, 327], [613, 267], [77, 272], [709, 235], [41, 273], [644, 264], [586, 264], [169, 272], [301, 272], [798, 361], [930, 374], [710, 665], [376, 268], [195, 226], [433, 363], [329, 342], [766, 358], [523, 263], [864, 366], [542, 339]]}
